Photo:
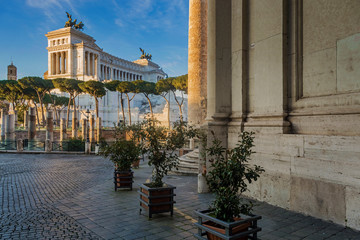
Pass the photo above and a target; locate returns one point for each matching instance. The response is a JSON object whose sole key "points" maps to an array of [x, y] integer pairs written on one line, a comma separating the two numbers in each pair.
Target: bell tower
{"points": [[12, 72]]}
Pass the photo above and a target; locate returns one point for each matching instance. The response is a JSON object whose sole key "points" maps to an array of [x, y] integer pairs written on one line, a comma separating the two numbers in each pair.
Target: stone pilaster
{"points": [[32, 124], [197, 62]]}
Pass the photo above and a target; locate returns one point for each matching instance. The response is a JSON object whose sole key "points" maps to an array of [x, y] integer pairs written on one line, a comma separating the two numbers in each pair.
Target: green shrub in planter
{"points": [[229, 175]]}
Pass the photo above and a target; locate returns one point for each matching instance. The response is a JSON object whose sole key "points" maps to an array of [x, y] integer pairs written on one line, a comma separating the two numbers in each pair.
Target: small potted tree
{"points": [[122, 153], [161, 145], [230, 216]]}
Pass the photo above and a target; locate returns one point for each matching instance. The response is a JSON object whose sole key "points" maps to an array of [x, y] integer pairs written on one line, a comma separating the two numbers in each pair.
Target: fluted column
{"points": [[197, 61]]}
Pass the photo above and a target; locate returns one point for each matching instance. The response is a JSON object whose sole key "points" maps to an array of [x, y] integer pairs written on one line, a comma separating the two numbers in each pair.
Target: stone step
{"points": [[188, 164]]}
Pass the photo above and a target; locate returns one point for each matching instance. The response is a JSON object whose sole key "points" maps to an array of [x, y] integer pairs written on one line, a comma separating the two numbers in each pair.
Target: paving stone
{"points": [[72, 197]]}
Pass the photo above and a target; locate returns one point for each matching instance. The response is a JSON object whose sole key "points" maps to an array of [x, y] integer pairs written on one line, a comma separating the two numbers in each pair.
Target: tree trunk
{"points": [[129, 110], [122, 108], [97, 107], [37, 114], [150, 105], [74, 105]]}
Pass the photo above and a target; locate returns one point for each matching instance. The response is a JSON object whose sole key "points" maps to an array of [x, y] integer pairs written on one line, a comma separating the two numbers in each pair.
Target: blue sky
{"points": [[120, 27]]}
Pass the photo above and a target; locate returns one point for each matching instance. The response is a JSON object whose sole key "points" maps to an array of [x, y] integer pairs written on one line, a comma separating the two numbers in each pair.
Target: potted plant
{"points": [[230, 216], [160, 144], [122, 153]]}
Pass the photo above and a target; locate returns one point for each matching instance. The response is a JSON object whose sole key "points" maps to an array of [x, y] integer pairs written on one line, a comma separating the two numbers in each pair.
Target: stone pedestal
{"points": [[74, 125], [32, 124], [63, 134], [49, 126]]}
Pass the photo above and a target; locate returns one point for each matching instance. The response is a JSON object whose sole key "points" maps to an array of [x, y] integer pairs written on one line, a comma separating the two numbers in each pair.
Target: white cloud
{"points": [[52, 8]]}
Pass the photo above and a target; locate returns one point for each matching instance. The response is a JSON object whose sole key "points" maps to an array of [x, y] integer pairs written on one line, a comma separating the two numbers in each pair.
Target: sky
{"points": [[119, 27]]}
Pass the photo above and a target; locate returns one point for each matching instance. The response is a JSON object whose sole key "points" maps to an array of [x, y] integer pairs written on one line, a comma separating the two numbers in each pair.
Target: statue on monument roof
{"points": [[145, 55], [72, 24]]}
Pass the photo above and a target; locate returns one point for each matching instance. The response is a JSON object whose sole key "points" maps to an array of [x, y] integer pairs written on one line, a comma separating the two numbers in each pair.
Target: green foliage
{"points": [[230, 175], [122, 153], [126, 87], [70, 86], [74, 144], [96, 89], [112, 85], [181, 83], [163, 86], [161, 145]]}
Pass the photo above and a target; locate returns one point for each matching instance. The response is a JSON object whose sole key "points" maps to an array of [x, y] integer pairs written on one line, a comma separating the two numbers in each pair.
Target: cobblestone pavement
{"points": [[49, 196]]}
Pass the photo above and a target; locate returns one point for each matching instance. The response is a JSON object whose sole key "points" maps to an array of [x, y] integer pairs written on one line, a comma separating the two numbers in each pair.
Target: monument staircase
{"points": [[188, 163]]}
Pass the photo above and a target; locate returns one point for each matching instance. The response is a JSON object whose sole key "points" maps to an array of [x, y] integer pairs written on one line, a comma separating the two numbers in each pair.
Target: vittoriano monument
{"points": [[71, 23], [145, 55]]}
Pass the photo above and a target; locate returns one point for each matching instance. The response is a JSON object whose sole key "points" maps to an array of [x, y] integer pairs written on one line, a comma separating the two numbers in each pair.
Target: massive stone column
{"points": [[63, 134], [32, 124], [92, 64], [197, 62], [49, 126], [74, 125], [92, 128], [3, 116]]}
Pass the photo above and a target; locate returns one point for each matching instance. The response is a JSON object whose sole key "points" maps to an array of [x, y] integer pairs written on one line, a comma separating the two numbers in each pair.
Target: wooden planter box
{"points": [[157, 200], [123, 179], [242, 229]]}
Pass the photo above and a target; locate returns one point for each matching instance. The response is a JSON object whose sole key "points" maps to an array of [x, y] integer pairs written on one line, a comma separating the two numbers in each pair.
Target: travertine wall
{"points": [[292, 77]]}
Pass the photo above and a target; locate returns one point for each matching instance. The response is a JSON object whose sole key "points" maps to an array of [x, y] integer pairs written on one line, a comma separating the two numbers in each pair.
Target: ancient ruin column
{"points": [[197, 62], [10, 127], [63, 134], [3, 116], [49, 126], [32, 124], [92, 128], [98, 129], [84, 133], [74, 125]]}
